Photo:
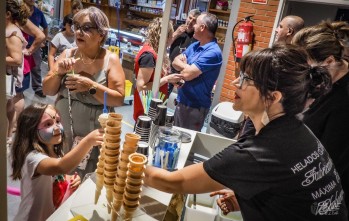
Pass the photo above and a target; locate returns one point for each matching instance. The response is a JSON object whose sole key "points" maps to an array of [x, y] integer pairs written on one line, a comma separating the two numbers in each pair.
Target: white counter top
{"points": [[82, 201]]}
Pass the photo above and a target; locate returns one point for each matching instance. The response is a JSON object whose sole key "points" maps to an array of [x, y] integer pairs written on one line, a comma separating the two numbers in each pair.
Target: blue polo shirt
{"points": [[38, 19], [208, 58]]}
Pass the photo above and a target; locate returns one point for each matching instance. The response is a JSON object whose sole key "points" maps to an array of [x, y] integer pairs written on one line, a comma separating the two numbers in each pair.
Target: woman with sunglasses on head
{"points": [[64, 39], [328, 116], [96, 71], [279, 171]]}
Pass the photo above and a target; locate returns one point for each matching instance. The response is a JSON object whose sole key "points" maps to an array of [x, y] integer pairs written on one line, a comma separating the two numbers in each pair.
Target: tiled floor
{"points": [[128, 122]]}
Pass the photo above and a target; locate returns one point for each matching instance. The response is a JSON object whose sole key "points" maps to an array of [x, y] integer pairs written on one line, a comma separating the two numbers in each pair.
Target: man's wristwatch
{"points": [[93, 89]]}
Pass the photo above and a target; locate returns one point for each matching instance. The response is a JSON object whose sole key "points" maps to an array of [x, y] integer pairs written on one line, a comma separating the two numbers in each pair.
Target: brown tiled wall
{"points": [[264, 17]]}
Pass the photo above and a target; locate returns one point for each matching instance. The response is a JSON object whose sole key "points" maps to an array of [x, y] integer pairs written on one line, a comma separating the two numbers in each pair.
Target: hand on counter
{"points": [[228, 202]]}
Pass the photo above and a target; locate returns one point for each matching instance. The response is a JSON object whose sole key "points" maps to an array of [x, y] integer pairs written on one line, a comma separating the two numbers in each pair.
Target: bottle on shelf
{"points": [[113, 39]]}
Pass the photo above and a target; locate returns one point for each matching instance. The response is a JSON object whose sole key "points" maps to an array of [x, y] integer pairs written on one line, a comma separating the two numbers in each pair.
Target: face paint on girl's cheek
{"points": [[46, 134]]}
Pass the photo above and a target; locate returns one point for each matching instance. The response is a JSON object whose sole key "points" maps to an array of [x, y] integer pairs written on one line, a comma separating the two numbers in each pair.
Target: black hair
{"points": [[284, 68], [68, 19]]}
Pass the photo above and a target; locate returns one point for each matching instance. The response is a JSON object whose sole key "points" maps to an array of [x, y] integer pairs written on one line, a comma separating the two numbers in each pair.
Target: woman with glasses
{"points": [[93, 72], [280, 170], [62, 40]]}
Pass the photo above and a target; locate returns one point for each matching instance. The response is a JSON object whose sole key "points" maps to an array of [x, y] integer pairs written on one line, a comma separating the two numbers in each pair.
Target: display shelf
{"points": [[136, 22], [145, 14], [222, 27], [219, 11], [146, 6], [97, 5]]}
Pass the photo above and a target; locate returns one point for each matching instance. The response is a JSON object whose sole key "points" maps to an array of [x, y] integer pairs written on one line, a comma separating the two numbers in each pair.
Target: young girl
{"points": [[37, 157]]}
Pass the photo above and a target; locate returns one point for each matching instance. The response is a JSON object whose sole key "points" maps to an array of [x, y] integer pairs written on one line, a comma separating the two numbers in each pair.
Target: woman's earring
{"points": [[265, 118]]}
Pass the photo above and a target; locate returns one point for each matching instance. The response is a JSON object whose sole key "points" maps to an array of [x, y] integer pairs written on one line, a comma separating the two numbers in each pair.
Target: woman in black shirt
{"points": [[279, 171]]}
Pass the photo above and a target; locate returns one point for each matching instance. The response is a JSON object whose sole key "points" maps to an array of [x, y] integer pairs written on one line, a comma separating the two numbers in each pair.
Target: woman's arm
{"points": [[143, 77], [39, 36], [51, 56], [190, 179], [54, 166], [52, 82], [14, 55]]}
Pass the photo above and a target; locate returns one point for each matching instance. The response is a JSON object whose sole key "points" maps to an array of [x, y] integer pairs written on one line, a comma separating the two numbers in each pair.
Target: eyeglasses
{"points": [[242, 78], [83, 28]]}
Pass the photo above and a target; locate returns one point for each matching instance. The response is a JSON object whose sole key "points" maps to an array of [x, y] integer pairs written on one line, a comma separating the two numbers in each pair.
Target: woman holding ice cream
{"points": [[96, 71]]}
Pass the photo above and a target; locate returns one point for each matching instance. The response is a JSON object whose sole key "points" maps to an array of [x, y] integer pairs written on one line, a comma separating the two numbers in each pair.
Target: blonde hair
{"points": [[153, 33], [322, 40]]}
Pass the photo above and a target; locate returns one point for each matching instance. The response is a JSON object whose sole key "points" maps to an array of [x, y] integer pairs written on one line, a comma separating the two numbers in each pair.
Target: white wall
{"points": [[312, 13]]}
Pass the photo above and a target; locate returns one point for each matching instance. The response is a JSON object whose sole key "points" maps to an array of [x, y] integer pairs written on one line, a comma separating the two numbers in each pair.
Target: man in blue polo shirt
{"points": [[38, 18], [199, 66]]}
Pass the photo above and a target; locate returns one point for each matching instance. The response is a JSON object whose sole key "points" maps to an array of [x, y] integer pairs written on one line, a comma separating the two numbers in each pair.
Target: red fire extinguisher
{"points": [[244, 39]]}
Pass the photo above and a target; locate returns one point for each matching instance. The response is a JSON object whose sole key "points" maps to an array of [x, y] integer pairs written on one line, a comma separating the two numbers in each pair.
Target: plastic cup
{"points": [[143, 122]]}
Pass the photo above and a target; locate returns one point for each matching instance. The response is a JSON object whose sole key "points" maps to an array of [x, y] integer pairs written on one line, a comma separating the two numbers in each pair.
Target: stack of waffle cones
{"points": [[129, 147], [134, 184], [109, 157]]}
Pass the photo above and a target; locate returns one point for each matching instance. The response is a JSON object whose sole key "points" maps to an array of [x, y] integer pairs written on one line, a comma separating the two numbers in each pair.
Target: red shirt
{"points": [[137, 105]]}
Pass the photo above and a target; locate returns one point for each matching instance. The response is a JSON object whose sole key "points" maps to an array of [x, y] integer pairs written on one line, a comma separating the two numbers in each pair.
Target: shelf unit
{"points": [[221, 15], [140, 15], [145, 6]]}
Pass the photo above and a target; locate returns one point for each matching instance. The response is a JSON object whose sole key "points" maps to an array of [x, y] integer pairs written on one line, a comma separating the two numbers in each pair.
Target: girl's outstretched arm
{"points": [[54, 166]]}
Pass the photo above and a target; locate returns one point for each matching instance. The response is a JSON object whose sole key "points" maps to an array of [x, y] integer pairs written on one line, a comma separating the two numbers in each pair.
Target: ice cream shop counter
{"points": [[153, 203]]}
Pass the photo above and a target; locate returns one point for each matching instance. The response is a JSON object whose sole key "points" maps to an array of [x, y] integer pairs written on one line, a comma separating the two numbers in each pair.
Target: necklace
{"points": [[91, 62]]}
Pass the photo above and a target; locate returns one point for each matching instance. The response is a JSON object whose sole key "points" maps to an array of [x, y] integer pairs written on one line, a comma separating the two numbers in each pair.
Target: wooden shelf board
{"points": [[146, 6], [219, 11], [136, 22], [145, 14], [222, 27], [96, 5]]}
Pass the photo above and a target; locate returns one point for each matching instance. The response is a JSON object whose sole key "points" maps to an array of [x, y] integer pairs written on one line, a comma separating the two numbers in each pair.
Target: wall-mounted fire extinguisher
{"points": [[243, 43]]}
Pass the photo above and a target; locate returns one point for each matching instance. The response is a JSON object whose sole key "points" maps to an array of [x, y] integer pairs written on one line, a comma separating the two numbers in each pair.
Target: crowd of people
{"points": [[289, 161]]}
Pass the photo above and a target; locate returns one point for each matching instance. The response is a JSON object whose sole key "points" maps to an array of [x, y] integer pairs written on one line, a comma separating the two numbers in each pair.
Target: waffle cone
{"points": [[137, 161], [115, 117], [132, 139], [123, 164], [118, 195], [134, 182], [97, 194], [111, 145], [133, 191]]}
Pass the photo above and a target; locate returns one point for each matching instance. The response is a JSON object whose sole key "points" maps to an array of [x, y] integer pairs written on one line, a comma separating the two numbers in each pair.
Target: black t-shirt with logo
{"points": [[283, 173]]}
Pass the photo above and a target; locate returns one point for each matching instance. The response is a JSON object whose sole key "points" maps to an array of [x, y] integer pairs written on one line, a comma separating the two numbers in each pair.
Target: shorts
{"points": [[25, 84]]}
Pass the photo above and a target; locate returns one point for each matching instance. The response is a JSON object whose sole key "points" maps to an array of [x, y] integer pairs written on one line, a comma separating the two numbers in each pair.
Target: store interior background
{"points": [[266, 19]]}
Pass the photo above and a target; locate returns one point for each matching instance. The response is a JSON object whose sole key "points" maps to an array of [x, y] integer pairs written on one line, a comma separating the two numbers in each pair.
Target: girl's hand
{"points": [[75, 181], [228, 202], [95, 138]]}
